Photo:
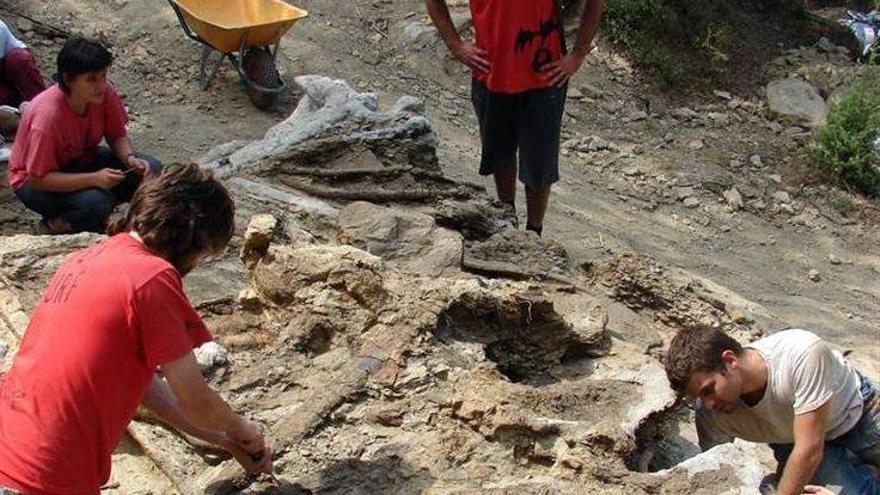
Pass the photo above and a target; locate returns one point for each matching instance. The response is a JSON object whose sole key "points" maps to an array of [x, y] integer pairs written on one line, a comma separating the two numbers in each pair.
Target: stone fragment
{"points": [[733, 198], [798, 100], [814, 275], [781, 197], [259, 234], [410, 240]]}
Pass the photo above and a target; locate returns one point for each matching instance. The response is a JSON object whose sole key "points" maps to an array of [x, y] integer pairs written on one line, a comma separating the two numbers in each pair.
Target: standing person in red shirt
{"points": [[57, 168], [521, 70], [112, 315]]}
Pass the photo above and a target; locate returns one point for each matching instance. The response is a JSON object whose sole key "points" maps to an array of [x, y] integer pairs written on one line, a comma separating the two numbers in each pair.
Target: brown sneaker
{"points": [[53, 226]]}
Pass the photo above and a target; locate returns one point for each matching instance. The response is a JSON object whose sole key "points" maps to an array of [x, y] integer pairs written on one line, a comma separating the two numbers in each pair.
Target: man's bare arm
{"points": [[468, 53], [809, 447], [559, 72]]}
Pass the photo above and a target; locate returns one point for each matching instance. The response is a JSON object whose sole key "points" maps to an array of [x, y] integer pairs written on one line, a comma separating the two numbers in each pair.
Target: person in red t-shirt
{"points": [[57, 167], [520, 73], [112, 315]]}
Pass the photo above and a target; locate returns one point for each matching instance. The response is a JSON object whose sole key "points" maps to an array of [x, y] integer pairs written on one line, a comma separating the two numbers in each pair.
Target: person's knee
{"points": [[155, 165], [18, 59], [96, 202]]}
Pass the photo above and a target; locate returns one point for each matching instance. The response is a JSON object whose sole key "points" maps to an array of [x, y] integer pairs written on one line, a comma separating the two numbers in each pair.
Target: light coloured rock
{"points": [[333, 114], [814, 275], [259, 234], [696, 144], [742, 457], [683, 193], [409, 240], [756, 161], [781, 197], [211, 355], [797, 100], [833, 259], [691, 202], [733, 198], [418, 35]]}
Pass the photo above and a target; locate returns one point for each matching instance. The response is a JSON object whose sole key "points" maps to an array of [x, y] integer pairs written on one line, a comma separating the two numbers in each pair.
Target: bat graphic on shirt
{"points": [[525, 38]]}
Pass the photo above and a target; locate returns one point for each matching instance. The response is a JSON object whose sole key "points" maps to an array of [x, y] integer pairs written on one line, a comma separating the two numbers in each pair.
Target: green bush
{"points": [[844, 149], [681, 41]]}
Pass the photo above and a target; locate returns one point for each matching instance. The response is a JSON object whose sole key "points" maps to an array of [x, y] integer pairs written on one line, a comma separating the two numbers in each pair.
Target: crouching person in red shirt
{"points": [[57, 167], [114, 314]]}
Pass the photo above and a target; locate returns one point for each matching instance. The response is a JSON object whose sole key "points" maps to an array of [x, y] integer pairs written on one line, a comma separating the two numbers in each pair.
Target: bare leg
{"points": [[536, 207], [505, 184]]}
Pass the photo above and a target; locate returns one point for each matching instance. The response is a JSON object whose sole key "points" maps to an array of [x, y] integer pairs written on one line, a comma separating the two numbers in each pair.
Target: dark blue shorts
{"points": [[527, 123]]}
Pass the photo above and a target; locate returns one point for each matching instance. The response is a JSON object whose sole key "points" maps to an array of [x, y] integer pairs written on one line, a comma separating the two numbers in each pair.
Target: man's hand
{"points": [[817, 490], [259, 462], [249, 437], [473, 56], [140, 166], [107, 178], [559, 72]]}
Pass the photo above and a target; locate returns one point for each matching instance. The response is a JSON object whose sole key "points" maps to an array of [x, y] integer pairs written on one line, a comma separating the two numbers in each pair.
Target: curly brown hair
{"points": [[182, 213], [697, 349]]}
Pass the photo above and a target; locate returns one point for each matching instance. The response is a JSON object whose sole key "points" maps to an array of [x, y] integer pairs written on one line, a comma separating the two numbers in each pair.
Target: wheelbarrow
{"points": [[247, 33]]}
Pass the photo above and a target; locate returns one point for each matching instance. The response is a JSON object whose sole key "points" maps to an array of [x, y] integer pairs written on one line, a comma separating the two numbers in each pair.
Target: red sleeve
{"points": [[169, 326], [40, 153], [115, 117]]}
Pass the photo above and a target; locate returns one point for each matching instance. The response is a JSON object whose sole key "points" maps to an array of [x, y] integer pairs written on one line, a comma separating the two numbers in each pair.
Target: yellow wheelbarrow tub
{"points": [[225, 24]]}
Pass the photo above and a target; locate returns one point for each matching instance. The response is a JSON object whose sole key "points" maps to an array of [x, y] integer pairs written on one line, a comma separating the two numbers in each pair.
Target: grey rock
{"points": [[756, 160], [412, 241], [743, 458], [798, 100], [417, 35], [814, 275], [696, 144], [637, 115], [833, 259], [4, 348], [781, 197], [335, 116], [692, 202], [684, 113], [733, 198], [683, 193]]}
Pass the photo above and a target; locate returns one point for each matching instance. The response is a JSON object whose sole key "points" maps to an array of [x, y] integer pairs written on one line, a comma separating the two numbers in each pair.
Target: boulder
{"points": [[330, 118], [409, 240], [797, 100]]}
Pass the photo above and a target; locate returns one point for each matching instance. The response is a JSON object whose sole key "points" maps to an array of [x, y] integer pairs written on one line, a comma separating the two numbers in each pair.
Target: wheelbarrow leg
{"points": [[206, 77]]}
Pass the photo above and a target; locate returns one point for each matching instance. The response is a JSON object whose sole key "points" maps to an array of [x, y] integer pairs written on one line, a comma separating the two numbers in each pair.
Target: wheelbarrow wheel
{"points": [[263, 79]]}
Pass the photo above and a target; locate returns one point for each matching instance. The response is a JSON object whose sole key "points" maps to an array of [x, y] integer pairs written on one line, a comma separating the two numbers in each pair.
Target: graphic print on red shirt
{"points": [[521, 38], [111, 315]]}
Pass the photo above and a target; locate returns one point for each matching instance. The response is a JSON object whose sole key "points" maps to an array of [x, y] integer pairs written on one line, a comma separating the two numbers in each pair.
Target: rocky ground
{"points": [[380, 316]]}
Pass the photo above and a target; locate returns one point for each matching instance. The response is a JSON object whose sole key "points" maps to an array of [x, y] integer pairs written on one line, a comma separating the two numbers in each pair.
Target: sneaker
{"points": [[55, 226], [4, 154]]}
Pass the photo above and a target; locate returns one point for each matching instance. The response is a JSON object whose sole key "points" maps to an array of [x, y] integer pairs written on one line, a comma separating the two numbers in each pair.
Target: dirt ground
{"points": [[641, 172]]}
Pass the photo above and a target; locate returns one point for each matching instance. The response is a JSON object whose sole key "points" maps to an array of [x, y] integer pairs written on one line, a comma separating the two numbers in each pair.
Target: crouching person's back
{"points": [[112, 316]]}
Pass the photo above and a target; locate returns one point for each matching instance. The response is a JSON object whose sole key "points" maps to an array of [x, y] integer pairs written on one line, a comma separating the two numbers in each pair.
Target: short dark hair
{"points": [[182, 213], [697, 349], [81, 56]]}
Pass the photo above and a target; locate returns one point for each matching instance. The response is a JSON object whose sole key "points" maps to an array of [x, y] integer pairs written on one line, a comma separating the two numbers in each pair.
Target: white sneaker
{"points": [[4, 154]]}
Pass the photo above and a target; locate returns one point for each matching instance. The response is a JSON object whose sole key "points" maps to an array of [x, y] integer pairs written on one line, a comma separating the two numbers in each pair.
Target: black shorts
{"points": [[528, 122]]}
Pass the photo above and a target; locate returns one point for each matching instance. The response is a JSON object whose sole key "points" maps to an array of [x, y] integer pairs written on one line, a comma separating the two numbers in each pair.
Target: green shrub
{"points": [[844, 149], [683, 41]]}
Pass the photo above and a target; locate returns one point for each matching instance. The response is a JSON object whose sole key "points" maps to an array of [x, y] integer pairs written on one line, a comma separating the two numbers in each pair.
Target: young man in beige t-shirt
{"points": [[789, 390]]}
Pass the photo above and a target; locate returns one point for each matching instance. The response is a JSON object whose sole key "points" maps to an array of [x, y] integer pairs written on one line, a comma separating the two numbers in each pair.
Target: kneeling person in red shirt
{"points": [[112, 315], [57, 167]]}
